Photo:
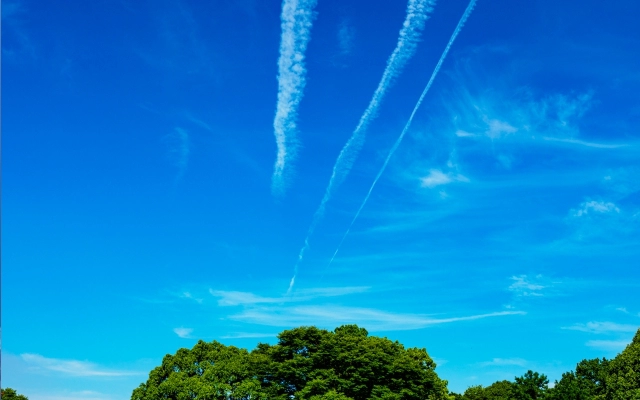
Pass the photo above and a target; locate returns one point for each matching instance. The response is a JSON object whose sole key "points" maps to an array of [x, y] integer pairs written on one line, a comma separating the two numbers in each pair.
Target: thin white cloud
{"points": [[236, 298], [71, 395], [609, 345], [594, 207], [331, 291], [602, 327], [346, 34], [497, 129], [184, 333], [198, 122], [436, 178], [296, 22], [188, 295], [14, 27], [523, 117], [72, 367], [505, 362], [331, 316], [526, 286], [247, 335], [179, 149], [461, 133], [585, 143]]}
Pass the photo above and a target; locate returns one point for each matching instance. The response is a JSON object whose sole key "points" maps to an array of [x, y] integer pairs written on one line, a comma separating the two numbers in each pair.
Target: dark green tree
{"points": [[210, 371], [530, 386], [10, 394], [587, 382], [623, 379], [501, 390]]}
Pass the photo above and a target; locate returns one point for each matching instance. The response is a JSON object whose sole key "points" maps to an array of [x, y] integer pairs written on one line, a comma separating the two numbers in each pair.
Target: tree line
{"points": [[309, 363]]}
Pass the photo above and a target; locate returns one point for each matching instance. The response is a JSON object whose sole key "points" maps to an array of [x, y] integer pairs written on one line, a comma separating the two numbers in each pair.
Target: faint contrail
{"points": [[463, 19], [296, 21], [417, 14]]}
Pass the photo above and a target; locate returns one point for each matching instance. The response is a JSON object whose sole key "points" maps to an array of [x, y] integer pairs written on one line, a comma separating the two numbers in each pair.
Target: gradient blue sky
{"points": [[137, 205]]}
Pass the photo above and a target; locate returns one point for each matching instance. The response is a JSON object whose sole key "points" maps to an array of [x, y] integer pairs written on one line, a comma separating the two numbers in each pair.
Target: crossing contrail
{"points": [[296, 21], [417, 14], [461, 23]]}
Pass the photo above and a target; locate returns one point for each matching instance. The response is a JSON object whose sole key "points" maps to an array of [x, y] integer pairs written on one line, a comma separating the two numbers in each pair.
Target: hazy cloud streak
{"points": [[395, 146], [296, 21], [602, 327], [73, 367], [329, 315], [179, 149], [235, 298], [417, 14]]}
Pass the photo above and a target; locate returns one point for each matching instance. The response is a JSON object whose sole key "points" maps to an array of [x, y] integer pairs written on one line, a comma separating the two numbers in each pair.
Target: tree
{"points": [[587, 382], [208, 371], [10, 394], [623, 379], [501, 390], [530, 386], [306, 363]]}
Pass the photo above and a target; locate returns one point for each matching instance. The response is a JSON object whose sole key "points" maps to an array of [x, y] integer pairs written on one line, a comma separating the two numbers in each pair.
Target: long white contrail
{"points": [[417, 14], [296, 21], [461, 23]]}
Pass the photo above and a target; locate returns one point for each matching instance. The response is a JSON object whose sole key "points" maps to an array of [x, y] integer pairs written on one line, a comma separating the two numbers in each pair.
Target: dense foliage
{"points": [[597, 379], [10, 394], [306, 363]]}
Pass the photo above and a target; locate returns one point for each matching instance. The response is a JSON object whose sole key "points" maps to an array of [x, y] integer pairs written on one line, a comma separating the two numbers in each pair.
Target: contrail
{"points": [[417, 14], [461, 23], [296, 21]]}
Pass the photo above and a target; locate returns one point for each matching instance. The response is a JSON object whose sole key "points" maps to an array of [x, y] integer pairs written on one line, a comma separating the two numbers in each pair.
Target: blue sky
{"points": [[148, 204]]}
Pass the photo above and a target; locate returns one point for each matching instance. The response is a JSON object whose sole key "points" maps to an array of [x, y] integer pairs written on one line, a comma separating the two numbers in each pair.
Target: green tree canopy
{"points": [[306, 363], [623, 379], [10, 394], [597, 379], [587, 382], [530, 386]]}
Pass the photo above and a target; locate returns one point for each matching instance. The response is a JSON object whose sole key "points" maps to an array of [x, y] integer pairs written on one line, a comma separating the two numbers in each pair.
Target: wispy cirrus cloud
{"points": [[552, 118], [602, 327], [16, 42], [179, 149], [236, 298], [499, 362], [524, 285], [184, 333], [585, 143], [296, 22], [608, 345], [437, 178], [188, 295], [248, 335], [332, 315], [346, 36], [595, 207], [71, 395], [73, 367]]}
